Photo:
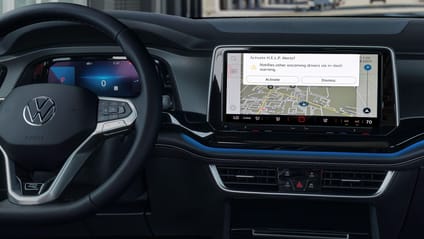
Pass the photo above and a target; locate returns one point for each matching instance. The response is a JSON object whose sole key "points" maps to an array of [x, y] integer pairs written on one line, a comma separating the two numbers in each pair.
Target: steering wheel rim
{"points": [[148, 101]]}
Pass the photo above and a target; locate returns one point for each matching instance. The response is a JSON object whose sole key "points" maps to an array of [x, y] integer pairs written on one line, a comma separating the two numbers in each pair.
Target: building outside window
{"points": [[7, 5], [186, 8]]}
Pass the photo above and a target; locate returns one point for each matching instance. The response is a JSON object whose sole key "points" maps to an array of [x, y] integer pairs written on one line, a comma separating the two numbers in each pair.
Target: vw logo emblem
{"points": [[39, 111]]}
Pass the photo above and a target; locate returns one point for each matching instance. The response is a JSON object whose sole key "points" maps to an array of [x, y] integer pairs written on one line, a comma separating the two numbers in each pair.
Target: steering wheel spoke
{"points": [[24, 190]]}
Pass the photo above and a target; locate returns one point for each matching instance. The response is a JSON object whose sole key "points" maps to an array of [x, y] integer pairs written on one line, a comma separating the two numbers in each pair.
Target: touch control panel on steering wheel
{"points": [[112, 110]]}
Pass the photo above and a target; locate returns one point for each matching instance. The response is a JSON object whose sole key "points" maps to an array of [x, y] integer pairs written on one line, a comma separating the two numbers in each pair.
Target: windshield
{"points": [[248, 8]]}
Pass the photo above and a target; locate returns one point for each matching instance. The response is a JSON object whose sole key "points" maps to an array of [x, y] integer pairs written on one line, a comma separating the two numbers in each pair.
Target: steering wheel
{"points": [[54, 128]]}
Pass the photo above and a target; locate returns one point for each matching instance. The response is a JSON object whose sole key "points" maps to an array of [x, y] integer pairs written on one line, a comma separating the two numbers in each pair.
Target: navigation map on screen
{"points": [[293, 84]]}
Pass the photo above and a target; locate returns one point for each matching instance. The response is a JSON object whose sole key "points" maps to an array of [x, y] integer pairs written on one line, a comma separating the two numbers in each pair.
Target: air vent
{"points": [[352, 182], [304, 181], [249, 179]]}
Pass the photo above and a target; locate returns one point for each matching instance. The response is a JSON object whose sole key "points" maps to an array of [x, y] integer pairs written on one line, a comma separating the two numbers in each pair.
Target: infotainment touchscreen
{"points": [[302, 88]]}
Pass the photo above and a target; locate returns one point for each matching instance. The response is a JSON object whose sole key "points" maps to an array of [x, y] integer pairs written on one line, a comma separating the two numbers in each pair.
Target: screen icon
{"points": [[367, 67], [367, 110], [301, 119], [303, 103]]}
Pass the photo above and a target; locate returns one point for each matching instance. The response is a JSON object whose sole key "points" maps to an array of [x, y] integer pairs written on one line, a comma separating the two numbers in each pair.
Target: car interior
{"points": [[132, 124]]}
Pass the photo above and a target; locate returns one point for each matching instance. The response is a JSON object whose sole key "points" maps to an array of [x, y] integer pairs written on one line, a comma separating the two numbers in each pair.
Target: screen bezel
{"points": [[293, 119], [387, 117]]}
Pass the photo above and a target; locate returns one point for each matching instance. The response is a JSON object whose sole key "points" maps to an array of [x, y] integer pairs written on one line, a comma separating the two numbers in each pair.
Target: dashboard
{"points": [[317, 120]]}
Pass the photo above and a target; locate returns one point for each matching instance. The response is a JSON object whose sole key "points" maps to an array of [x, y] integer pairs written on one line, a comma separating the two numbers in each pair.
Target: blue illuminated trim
{"points": [[405, 151]]}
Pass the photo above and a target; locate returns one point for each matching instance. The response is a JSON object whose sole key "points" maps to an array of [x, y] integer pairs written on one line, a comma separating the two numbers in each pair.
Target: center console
{"points": [[294, 116], [304, 141], [305, 103]]}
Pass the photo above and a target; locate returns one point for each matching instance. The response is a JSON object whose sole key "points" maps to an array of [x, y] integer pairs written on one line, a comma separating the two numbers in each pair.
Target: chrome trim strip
{"points": [[282, 236], [119, 58], [122, 214], [380, 191], [392, 53], [351, 180], [174, 121], [211, 80], [71, 165], [61, 59], [245, 176], [395, 82]]}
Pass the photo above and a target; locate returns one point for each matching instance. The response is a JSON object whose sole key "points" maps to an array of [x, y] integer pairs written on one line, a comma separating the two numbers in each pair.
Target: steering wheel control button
{"points": [[113, 116], [124, 110], [112, 110], [121, 109]]}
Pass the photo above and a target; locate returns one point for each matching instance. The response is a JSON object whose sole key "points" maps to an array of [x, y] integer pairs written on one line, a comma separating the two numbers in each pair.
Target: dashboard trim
{"points": [[176, 122], [384, 185], [290, 153]]}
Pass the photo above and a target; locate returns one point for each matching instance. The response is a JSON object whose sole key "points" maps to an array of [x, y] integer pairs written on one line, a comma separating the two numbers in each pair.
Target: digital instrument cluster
{"points": [[112, 77]]}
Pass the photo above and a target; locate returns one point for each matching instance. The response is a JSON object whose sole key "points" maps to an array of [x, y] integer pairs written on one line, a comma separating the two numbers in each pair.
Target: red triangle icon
{"points": [[299, 184]]}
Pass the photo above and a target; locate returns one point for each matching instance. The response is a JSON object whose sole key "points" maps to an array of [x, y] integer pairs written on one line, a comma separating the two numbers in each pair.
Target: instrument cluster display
{"points": [[105, 77]]}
